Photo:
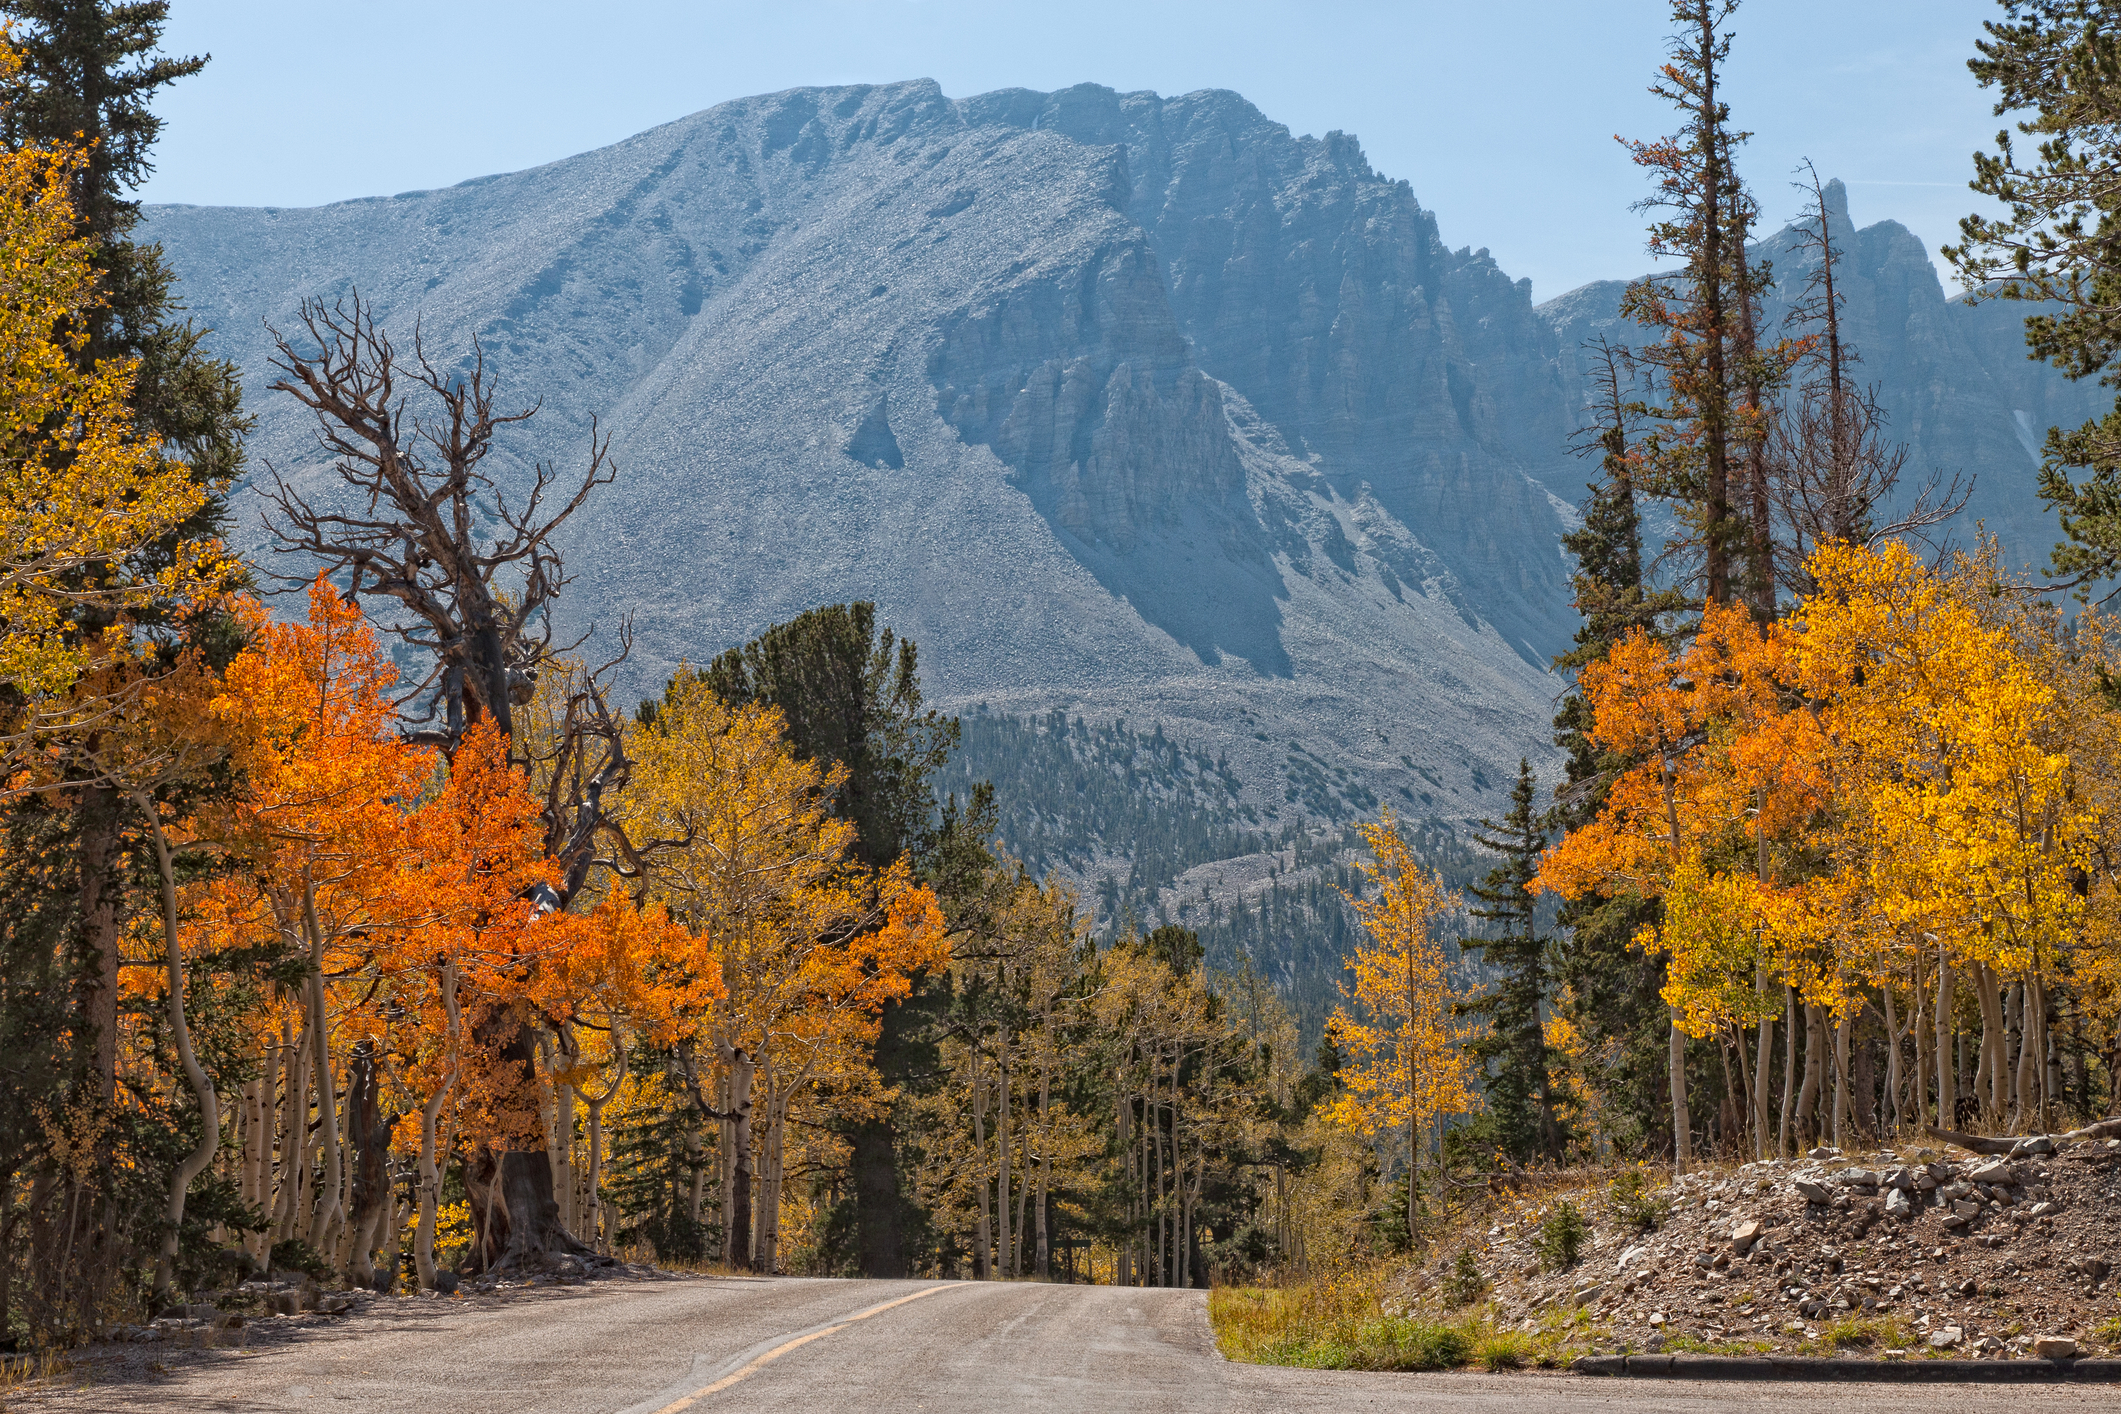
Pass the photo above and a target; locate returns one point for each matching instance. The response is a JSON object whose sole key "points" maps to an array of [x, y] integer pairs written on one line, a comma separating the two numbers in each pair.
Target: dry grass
{"points": [[19, 1374], [1333, 1323]]}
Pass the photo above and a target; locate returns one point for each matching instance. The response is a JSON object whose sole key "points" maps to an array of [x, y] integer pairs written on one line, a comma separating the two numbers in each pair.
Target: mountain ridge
{"points": [[1126, 407]]}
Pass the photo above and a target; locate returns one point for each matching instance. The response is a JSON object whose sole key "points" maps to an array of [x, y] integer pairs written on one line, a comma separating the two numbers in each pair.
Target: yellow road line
{"points": [[778, 1351]]}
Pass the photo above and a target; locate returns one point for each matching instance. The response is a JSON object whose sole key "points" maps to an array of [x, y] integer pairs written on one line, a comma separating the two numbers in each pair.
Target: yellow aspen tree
{"points": [[1400, 1032]]}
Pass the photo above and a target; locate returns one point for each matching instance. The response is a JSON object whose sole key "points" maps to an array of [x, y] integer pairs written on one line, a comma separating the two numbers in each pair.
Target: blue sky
{"points": [[1500, 113]]}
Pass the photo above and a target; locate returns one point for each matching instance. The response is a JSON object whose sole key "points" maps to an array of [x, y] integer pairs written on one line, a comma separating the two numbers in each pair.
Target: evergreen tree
{"points": [[2059, 245], [1609, 987], [1520, 1084], [1699, 456], [86, 75], [852, 697]]}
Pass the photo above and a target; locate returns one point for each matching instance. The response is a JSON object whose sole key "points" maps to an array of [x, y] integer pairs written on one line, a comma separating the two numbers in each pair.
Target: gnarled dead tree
{"points": [[1834, 467], [417, 521], [422, 523]]}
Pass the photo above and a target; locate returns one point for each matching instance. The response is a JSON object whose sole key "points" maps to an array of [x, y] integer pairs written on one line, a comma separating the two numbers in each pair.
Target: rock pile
{"points": [[1892, 1250]]}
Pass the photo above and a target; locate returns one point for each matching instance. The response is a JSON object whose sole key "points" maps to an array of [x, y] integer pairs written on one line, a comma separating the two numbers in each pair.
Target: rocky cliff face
{"points": [[1134, 406]]}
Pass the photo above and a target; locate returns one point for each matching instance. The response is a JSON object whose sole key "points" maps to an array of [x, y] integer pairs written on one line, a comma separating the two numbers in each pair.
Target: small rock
{"points": [[1945, 1338], [1655, 1343], [2054, 1347], [1899, 1178], [1588, 1294], [1925, 1182], [2037, 1144], [1897, 1204], [1990, 1344], [1813, 1192], [1745, 1234], [1965, 1209], [1857, 1178], [1994, 1171]]}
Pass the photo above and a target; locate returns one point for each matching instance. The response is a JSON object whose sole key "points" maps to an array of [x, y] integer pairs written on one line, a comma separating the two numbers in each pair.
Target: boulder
{"points": [[1857, 1178], [1996, 1171], [2054, 1347], [1813, 1192], [1897, 1204]]}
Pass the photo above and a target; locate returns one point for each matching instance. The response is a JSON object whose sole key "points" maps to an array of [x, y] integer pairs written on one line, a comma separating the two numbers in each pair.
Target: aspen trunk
{"points": [[1763, 1058], [1789, 1067], [1123, 1257], [1892, 1058], [1814, 1066], [742, 1068], [1918, 1090], [202, 1154], [1001, 1135], [2026, 1100], [331, 1177], [1045, 1158], [1947, 1092], [1842, 1096], [1682, 1122], [983, 1246], [429, 1192], [294, 1136]]}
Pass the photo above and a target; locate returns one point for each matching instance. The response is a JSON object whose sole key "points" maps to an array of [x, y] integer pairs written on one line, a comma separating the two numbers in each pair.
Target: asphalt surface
{"points": [[699, 1345]]}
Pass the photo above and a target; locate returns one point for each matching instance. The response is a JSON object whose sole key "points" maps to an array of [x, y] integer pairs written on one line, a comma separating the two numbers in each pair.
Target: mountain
{"points": [[1222, 492], [1132, 406]]}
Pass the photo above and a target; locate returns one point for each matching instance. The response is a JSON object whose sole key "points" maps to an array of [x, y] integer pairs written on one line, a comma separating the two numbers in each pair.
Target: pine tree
{"points": [[1520, 1086], [1699, 456], [1610, 988], [2058, 247]]}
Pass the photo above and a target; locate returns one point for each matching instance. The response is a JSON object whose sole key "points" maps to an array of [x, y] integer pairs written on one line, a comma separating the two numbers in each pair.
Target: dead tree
{"points": [[1835, 466], [418, 522]]}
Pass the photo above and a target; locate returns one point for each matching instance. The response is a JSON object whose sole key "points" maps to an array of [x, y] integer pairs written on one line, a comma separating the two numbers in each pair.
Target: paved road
{"points": [[701, 1345]]}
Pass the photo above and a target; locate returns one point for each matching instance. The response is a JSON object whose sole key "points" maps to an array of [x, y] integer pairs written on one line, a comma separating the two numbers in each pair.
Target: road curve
{"points": [[793, 1346]]}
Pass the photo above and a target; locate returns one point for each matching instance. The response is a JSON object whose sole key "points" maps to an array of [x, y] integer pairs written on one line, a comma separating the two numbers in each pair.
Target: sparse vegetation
{"points": [[1463, 1284], [1561, 1237], [1633, 1201]]}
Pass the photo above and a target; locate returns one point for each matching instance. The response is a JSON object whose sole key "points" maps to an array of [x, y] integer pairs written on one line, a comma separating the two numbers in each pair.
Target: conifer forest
{"points": [[361, 930]]}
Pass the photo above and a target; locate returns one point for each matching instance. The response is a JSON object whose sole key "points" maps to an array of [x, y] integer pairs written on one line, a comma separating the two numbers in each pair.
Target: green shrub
{"points": [[1633, 1203], [1561, 1237], [1501, 1352], [1464, 1283]]}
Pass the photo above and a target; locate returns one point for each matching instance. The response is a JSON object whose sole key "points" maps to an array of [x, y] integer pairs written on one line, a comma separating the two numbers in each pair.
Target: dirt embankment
{"points": [[1918, 1250]]}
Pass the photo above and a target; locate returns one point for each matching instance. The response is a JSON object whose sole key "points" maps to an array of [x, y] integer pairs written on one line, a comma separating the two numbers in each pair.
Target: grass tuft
{"points": [[1505, 1351]]}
